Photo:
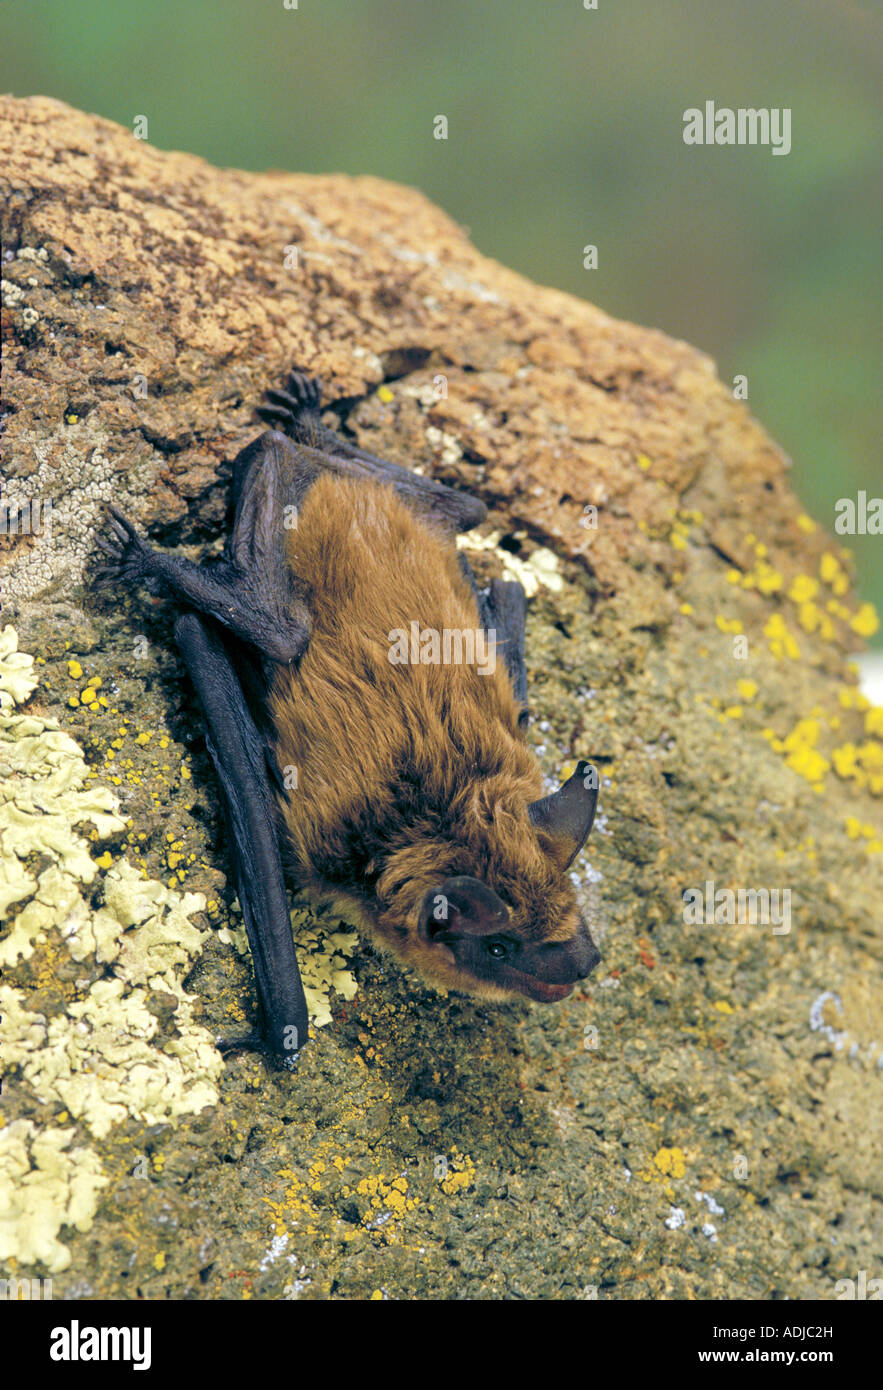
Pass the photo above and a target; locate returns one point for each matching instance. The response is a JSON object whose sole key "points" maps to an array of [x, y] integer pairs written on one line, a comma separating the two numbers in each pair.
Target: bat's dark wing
{"points": [[251, 591], [239, 753], [242, 615], [503, 610], [295, 411]]}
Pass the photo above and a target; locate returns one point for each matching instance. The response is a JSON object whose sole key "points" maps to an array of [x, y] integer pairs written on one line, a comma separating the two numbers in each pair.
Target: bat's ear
{"points": [[565, 818], [460, 907]]}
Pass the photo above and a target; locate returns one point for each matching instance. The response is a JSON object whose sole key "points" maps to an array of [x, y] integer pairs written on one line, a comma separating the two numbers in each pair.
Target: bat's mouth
{"points": [[543, 993]]}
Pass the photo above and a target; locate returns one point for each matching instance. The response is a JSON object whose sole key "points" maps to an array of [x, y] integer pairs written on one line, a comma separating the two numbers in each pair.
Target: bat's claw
{"points": [[305, 389], [120, 541], [290, 410]]}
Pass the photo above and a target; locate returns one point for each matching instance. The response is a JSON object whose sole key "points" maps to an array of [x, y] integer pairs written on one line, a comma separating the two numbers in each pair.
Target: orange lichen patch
{"points": [[387, 1195], [814, 612], [855, 760], [644, 953], [844, 760], [856, 830], [294, 1207], [308, 1202], [838, 609]]}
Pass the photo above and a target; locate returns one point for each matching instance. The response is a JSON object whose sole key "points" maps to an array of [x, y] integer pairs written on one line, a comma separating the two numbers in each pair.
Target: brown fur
{"points": [[436, 779]]}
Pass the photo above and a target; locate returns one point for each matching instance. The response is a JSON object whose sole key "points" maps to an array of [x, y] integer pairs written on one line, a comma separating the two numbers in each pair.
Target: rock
{"points": [[703, 1119]]}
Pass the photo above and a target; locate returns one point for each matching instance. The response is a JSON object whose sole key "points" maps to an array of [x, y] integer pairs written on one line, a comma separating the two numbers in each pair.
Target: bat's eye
{"points": [[496, 949]]}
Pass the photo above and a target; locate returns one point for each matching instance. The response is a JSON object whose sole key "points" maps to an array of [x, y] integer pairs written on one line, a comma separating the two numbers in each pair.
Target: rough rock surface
{"points": [[703, 1119]]}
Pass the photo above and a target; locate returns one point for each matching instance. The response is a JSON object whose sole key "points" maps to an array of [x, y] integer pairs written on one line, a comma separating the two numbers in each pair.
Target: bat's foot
{"points": [[295, 410], [256, 1042], [128, 554]]}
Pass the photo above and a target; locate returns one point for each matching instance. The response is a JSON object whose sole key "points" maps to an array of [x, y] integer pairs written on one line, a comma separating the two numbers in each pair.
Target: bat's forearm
{"points": [[274, 621]]}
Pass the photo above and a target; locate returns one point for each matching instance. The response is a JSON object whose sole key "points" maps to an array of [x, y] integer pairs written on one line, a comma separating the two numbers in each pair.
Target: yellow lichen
{"points": [[763, 577], [457, 1173], [781, 642], [865, 622], [803, 756], [802, 588], [671, 1162]]}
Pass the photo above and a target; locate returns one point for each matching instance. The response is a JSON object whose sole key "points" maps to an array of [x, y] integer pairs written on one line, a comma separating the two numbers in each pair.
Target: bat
{"points": [[365, 737]]}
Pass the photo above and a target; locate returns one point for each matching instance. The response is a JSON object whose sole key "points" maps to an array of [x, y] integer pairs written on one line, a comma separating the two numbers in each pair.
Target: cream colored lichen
{"points": [[102, 1059], [540, 568], [324, 950], [17, 679], [44, 793], [44, 1185], [98, 1058], [57, 558]]}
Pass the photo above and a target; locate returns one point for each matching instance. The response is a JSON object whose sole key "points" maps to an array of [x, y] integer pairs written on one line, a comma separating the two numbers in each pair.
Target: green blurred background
{"points": [[565, 128]]}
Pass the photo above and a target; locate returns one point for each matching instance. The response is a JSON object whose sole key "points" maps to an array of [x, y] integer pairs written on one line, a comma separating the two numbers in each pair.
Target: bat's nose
{"points": [[586, 960], [585, 953], [565, 962]]}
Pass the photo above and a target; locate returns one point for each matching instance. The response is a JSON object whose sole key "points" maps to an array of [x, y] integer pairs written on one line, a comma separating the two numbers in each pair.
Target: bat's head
{"points": [[512, 925]]}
